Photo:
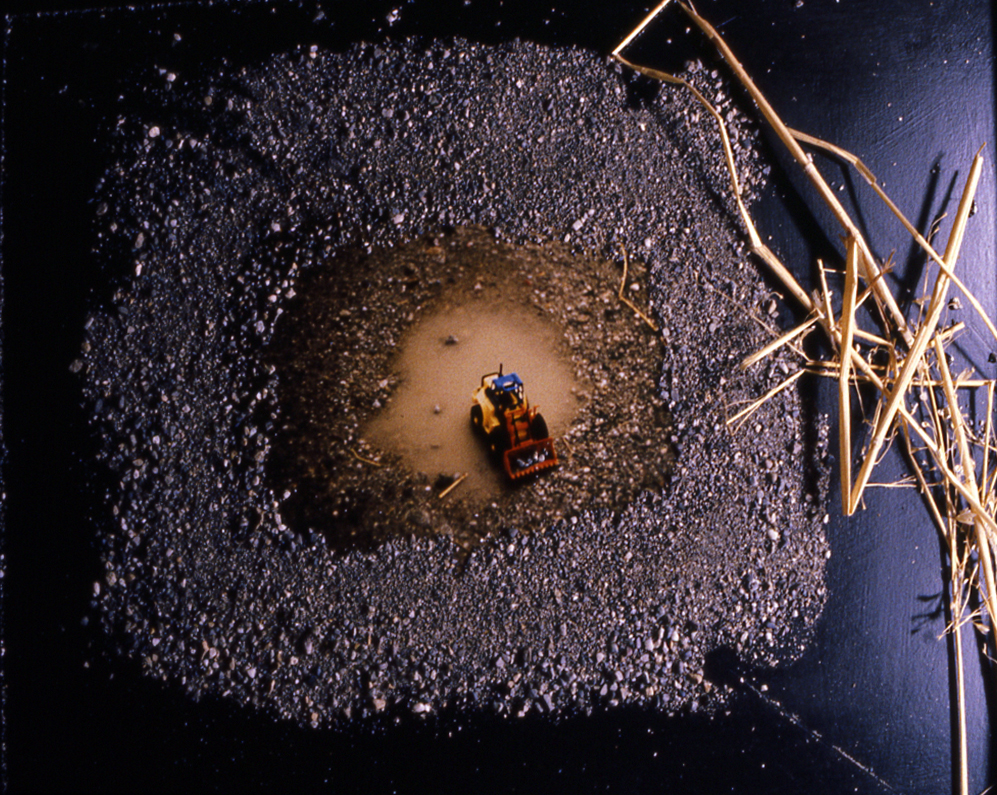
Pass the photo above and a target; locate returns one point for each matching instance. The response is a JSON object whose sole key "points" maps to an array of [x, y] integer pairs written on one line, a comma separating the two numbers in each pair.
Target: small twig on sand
{"points": [[359, 457], [453, 485], [627, 301]]}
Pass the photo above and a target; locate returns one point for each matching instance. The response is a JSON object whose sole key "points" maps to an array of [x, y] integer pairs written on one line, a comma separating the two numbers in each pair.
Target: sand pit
{"points": [[440, 361], [375, 426]]}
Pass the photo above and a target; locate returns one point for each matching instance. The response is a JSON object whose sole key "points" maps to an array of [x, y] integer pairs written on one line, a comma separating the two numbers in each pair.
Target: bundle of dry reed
{"points": [[903, 362]]}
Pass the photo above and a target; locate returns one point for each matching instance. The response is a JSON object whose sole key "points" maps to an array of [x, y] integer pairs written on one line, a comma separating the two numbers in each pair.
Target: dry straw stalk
{"points": [[905, 363]]}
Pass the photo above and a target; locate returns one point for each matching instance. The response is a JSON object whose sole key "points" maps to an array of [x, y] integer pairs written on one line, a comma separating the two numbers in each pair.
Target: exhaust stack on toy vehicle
{"points": [[513, 429]]}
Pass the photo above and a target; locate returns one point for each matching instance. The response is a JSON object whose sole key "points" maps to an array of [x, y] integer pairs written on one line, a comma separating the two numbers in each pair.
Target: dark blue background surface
{"points": [[909, 86]]}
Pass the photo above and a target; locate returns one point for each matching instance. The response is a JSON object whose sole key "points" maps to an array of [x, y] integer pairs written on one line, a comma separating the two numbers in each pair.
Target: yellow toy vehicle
{"points": [[512, 428]]}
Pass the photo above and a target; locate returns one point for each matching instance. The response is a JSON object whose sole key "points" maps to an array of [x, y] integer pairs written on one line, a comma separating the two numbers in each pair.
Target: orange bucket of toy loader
{"points": [[529, 458]]}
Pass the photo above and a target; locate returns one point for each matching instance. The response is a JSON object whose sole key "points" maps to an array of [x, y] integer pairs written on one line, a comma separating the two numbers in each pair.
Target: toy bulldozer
{"points": [[512, 428]]}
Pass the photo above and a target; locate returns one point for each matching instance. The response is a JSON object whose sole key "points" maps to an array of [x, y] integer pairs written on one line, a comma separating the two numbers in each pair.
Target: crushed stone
{"points": [[227, 196]]}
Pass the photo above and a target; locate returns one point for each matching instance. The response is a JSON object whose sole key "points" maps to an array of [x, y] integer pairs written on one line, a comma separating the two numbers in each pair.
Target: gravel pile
{"points": [[233, 192]]}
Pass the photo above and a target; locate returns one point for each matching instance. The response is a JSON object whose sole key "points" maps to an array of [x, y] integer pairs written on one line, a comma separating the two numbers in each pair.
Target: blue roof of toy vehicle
{"points": [[507, 383]]}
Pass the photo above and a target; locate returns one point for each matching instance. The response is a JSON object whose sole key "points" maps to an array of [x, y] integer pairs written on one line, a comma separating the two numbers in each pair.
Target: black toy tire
{"points": [[538, 428], [498, 441], [477, 417]]}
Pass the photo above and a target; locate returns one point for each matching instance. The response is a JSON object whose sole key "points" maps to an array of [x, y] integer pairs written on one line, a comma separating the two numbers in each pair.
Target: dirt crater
{"points": [[363, 454]]}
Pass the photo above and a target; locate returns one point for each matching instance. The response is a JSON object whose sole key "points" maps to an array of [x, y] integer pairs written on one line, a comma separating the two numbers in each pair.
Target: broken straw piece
{"points": [[914, 358], [844, 387]]}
